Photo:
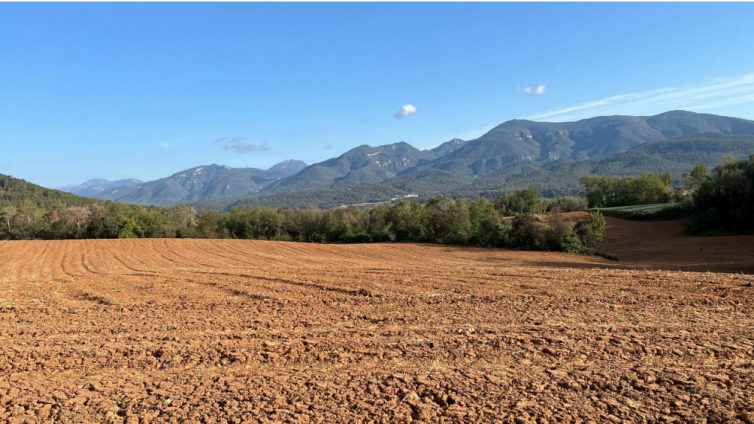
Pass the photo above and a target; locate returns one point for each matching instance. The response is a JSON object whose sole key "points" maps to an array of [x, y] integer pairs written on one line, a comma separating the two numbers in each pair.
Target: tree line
{"points": [[510, 221], [608, 191]]}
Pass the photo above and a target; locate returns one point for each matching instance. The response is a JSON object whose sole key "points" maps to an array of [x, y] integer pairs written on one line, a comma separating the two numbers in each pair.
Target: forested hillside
{"points": [[15, 192]]}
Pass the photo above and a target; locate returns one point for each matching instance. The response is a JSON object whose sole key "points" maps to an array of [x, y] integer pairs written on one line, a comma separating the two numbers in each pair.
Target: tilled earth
{"points": [[250, 331]]}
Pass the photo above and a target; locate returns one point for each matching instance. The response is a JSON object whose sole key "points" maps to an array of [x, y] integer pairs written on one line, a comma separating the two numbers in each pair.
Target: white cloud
{"points": [[716, 93], [406, 111], [536, 91], [236, 143]]}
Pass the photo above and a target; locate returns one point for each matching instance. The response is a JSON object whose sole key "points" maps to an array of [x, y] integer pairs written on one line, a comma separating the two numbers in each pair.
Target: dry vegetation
{"points": [[157, 330]]}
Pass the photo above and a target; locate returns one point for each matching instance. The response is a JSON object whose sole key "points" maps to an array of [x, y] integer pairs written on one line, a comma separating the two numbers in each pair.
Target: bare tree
{"points": [[8, 214]]}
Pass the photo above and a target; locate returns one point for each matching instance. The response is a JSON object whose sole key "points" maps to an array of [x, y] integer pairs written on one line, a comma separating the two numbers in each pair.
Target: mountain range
{"points": [[511, 156], [96, 186], [202, 182]]}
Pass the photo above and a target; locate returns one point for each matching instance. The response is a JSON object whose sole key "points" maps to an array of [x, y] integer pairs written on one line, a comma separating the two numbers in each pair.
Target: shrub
{"points": [[571, 243], [351, 236], [525, 233]]}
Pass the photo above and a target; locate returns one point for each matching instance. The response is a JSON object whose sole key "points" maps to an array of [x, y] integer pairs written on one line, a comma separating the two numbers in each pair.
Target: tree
{"points": [[210, 224], [308, 224], [526, 234], [181, 221], [530, 200], [592, 230], [76, 219], [557, 230], [405, 222], [9, 213], [697, 177], [485, 223], [448, 221]]}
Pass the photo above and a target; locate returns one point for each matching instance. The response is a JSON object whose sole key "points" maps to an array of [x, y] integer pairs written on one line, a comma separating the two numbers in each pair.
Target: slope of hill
{"points": [[595, 138], [449, 146], [363, 164], [14, 191], [675, 156], [203, 182], [96, 186], [288, 167]]}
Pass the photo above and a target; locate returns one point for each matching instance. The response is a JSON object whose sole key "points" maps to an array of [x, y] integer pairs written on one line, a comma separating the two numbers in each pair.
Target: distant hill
{"points": [[202, 182], [288, 167], [96, 186], [14, 191], [449, 146], [363, 164]]}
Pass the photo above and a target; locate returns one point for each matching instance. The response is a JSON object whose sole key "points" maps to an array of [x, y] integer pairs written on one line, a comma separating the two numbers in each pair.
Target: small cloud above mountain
{"points": [[405, 111], [533, 91], [236, 143]]}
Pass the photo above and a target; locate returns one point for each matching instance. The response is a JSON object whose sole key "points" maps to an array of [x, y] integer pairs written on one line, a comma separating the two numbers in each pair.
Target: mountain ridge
{"points": [[513, 147], [201, 182], [96, 186]]}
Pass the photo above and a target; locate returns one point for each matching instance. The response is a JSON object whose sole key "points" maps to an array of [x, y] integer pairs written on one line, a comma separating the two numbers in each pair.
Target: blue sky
{"points": [[145, 90]]}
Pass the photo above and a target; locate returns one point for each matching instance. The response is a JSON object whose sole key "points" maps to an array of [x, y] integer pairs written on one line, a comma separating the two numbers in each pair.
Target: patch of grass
{"points": [[651, 212], [607, 255]]}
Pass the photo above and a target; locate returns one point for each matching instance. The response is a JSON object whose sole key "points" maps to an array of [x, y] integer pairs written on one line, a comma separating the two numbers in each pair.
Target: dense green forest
{"points": [[15, 192], [509, 221]]}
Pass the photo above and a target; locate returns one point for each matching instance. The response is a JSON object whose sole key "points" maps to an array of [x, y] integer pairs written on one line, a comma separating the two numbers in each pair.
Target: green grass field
{"points": [[654, 211]]}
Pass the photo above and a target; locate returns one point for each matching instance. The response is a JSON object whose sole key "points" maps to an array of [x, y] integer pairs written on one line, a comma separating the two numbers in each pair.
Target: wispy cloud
{"points": [[716, 93], [474, 134], [406, 111], [236, 143], [328, 147], [533, 91]]}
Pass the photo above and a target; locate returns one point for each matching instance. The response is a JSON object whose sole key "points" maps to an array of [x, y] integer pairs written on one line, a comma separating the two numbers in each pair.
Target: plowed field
{"points": [[249, 331]]}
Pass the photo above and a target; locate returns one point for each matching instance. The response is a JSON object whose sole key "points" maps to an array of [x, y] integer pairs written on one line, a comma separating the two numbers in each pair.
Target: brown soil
{"points": [[664, 245], [248, 331]]}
